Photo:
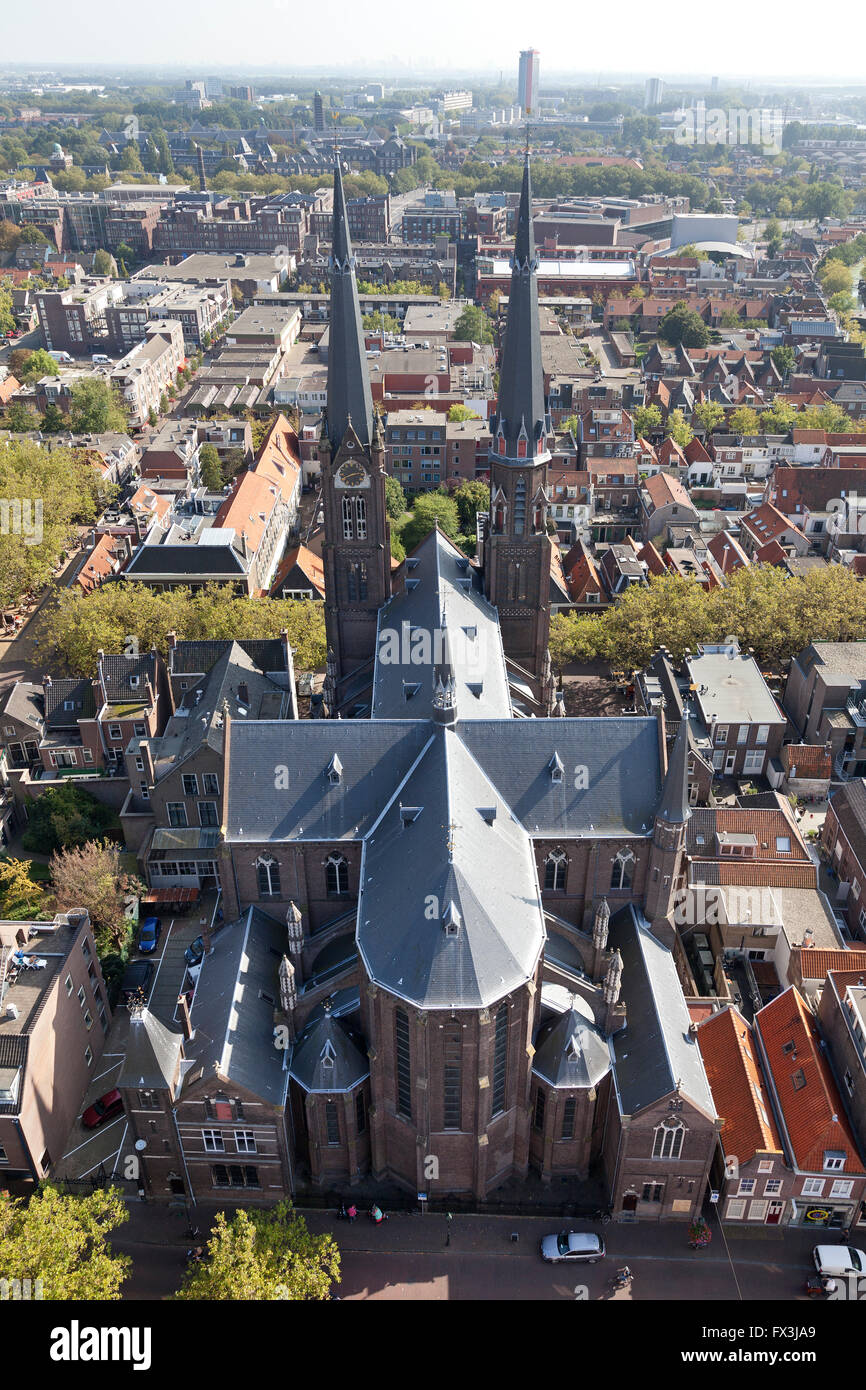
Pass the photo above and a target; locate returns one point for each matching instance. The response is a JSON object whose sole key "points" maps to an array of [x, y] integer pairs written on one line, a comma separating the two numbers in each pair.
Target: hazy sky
{"points": [[792, 40]]}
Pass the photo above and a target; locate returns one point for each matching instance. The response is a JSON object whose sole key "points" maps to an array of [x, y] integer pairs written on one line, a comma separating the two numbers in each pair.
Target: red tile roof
{"points": [[807, 760], [729, 1055], [815, 964], [813, 1112]]}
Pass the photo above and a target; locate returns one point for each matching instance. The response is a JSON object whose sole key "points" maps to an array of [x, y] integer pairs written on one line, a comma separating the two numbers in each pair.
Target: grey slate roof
{"points": [[451, 864], [376, 756], [24, 702], [327, 1059], [442, 594], [197, 658], [233, 1023], [349, 395], [655, 1050], [118, 669], [78, 690], [622, 772], [152, 1053], [521, 381], [570, 1052]]}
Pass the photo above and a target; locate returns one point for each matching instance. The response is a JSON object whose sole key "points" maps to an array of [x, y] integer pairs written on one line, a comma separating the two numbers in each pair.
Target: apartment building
{"points": [[74, 320], [150, 368], [199, 309], [744, 722]]}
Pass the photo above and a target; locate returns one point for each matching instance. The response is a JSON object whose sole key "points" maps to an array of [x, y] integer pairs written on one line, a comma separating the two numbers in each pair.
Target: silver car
{"points": [[572, 1247]]}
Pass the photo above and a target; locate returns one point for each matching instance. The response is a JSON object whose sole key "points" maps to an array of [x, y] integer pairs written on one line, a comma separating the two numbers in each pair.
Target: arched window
{"points": [[336, 875], [347, 519], [622, 870], [499, 518], [269, 878], [361, 518], [555, 866], [538, 517], [668, 1139]]}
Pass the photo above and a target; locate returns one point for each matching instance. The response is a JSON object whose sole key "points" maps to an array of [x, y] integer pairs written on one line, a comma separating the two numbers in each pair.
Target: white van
{"points": [[99, 359], [839, 1260], [61, 356]]}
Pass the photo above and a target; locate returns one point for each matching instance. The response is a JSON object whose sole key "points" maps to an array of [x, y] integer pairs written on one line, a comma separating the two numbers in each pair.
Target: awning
{"points": [[177, 896]]}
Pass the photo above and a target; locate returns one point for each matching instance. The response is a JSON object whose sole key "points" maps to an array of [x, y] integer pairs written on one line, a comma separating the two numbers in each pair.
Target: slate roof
{"points": [[25, 702], [232, 1020], [521, 383], [570, 1052], [78, 690], [116, 673], [196, 658], [655, 1051], [327, 1059], [675, 808], [439, 581], [449, 914], [151, 1055], [349, 394]]}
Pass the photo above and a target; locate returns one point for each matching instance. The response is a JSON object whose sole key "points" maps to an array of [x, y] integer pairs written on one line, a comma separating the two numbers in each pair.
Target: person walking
{"points": [[448, 1219]]}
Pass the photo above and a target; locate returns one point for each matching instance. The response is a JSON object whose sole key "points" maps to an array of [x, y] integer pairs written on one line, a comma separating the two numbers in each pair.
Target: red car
{"points": [[101, 1111]]}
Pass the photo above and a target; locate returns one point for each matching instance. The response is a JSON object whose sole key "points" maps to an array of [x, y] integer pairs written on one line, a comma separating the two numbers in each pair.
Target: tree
{"points": [[210, 467], [7, 318], [92, 876], [53, 420], [646, 419], [165, 164], [63, 1241], [709, 414], [10, 236], [429, 508], [784, 358], [473, 326], [96, 408], [457, 413], [395, 498], [20, 419], [130, 159], [471, 498], [66, 815], [773, 233], [37, 364], [744, 420], [678, 429], [262, 1257], [31, 236], [103, 263], [20, 898], [683, 325], [834, 277]]}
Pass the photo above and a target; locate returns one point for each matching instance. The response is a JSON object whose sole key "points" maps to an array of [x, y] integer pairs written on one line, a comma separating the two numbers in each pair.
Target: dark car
{"points": [[103, 1110], [136, 980], [149, 935], [194, 954]]}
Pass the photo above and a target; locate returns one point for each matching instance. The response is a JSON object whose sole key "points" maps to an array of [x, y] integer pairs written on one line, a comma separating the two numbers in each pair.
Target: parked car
{"points": [[149, 935], [194, 954], [838, 1260], [573, 1247], [103, 1110], [136, 980]]}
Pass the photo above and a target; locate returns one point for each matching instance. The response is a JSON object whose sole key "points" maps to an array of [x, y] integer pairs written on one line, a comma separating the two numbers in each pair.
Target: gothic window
{"points": [[361, 518], [352, 583], [269, 878], [332, 1119], [347, 519], [568, 1118], [362, 581], [521, 447], [520, 506], [622, 870], [499, 518], [500, 1059], [451, 1078], [336, 875], [404, 1063], [538, 1118], [538, 517], [668, 1139], [554, 870]]}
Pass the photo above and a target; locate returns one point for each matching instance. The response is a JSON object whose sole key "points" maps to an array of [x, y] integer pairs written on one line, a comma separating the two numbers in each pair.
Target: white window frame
{"points": [[813, 1187], [212, 1141], [245, 1140]]}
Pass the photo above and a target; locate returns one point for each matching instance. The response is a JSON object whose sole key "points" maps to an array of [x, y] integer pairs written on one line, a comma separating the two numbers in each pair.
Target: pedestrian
{"points": [[352, 1213], [448, 1219]]}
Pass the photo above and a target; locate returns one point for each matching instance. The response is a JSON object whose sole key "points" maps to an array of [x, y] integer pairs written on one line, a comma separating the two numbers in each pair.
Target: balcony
{"points": [[857, 710]]}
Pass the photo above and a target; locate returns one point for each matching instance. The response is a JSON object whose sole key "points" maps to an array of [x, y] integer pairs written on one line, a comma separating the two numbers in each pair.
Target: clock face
{"points": [[352, 474]]}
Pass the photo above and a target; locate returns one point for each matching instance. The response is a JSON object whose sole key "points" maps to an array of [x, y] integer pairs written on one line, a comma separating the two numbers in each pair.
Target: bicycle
{"points": [[602, 1216]]}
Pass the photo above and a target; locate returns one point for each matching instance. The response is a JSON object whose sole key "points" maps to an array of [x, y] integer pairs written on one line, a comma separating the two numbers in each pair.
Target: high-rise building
{"points": [[653, 92], [528, 79], [318, 112]]}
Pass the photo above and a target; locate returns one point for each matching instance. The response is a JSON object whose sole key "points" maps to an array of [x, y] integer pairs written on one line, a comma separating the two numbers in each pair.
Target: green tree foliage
{"points": [[53, 420], [646, 419], [79, 626], [473, 326], [64, 1242], [471, 498], [20, 418], [7, 318], [20, 898], [678, 429], [39, 363], [744, 420], [47, 493], [395, 498], [92, 876], [66, 815], [765, 608], [103, 263], [683, 325], [429, 508], [834, 277], [263, 1256], [210, 467], [709, 414], [457, 413], [96, 408], [784, 359], [385, 323]]}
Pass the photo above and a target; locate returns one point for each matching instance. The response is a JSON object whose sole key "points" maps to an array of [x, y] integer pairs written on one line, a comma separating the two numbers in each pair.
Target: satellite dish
{"points": [[141, 1145]]}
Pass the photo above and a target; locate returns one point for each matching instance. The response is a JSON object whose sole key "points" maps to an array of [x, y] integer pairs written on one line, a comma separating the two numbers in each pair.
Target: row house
{"points": [[825, 695], [745, 725], [614, 495], [664, 503], [143, 377], [54, 1017], [766, 524], [843, 841], [842, 1018]]}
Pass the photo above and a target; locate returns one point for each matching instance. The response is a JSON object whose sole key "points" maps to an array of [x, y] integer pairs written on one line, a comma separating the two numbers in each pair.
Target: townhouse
{"points": [[843, 841], [743, 721]]}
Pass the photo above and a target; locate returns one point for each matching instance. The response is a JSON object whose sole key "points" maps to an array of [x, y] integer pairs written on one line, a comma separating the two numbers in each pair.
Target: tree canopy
{"points": [[63, 1241], [66, 815], [263, 1257], [683, 325]]}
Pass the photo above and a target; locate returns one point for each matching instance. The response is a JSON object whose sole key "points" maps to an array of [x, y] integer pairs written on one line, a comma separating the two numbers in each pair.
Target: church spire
{"points": [[521, 407], [349, 393], [675, 808]]}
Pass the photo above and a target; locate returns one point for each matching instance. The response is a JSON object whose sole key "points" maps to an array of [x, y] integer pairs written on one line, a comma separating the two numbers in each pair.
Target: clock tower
{"points": [[356, 551]]}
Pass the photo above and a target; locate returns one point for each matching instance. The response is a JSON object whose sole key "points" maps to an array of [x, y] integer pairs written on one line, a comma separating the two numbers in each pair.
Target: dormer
{"points": [[335, 771], [556, 768], [451, 920]]}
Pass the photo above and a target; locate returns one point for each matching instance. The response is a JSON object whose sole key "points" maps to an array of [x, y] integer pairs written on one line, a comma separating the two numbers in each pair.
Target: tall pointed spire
{"points": [[349, 396], [674, 807], [521, 407]]}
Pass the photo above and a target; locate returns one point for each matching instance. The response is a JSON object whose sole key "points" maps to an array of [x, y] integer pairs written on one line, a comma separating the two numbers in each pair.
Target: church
{"points": [[477, 891], [450, 959]]}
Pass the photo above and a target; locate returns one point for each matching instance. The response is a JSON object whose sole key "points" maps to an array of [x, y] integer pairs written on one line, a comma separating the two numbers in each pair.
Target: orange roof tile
{"points": [[729, 1055], [808, 1097], [815, 964]]}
